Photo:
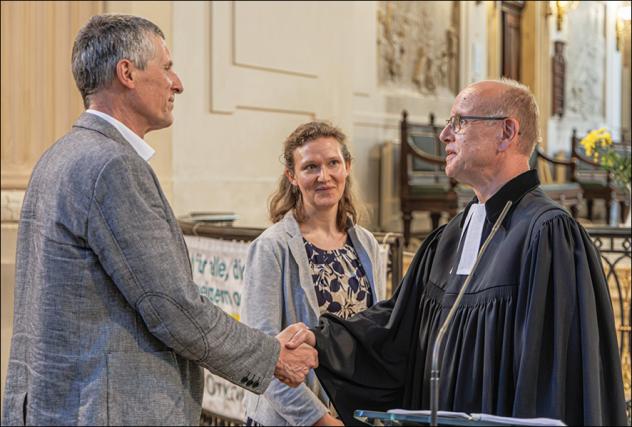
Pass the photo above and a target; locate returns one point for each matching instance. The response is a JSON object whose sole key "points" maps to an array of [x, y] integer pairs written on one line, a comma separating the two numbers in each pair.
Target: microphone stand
{"points": [[436, 350]]}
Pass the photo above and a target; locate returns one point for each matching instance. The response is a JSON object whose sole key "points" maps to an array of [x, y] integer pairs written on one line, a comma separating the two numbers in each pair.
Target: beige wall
{"points": [[252, 72], [39, 98]]}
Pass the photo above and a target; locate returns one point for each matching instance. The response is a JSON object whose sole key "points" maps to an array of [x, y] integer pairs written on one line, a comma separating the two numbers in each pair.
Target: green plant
{"points": [[598, 145]]}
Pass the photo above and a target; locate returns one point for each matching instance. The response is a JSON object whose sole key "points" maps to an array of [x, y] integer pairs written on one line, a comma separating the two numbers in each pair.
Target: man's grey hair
{"points": [[103, 42], [518, 101]]}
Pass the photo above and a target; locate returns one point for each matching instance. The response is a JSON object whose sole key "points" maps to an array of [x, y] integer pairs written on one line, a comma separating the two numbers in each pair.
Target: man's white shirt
{"points": [[138, 144]]}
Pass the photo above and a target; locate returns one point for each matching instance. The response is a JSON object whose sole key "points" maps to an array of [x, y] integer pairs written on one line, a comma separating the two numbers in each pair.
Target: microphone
{"points": [[436, 350]]}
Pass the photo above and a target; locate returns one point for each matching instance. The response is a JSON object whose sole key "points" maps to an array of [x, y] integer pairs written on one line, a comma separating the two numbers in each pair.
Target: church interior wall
{"points": [[593, 84], [426, 52], [251, 82], [253, 71], [251, 92]]}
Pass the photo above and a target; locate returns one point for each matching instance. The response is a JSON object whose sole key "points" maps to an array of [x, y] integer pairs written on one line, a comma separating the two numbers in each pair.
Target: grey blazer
{"points": [[279, 291], [109, 327]]}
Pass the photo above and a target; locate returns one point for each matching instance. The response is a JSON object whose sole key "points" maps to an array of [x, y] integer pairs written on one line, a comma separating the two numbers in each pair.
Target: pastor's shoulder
{"points": [[552, 221]]}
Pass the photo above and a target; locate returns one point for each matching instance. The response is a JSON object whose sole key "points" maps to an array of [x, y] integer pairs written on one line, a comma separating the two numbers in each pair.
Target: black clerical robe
{"points": [[534, 335]]}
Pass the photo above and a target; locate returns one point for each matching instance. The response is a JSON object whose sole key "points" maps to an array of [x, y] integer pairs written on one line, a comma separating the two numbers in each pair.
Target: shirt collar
{"points": [[513, 190], [138, 144]]}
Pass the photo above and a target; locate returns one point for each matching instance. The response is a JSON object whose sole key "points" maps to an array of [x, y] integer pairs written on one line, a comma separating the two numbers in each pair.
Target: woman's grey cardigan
{"points": [[279, 291]]}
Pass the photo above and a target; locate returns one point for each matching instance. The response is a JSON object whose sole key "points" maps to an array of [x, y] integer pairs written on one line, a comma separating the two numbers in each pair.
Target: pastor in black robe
{"points": [[534, 335]]}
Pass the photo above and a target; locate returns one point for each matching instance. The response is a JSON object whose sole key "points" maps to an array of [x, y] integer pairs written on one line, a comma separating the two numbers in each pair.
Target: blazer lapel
{"points": [[297, 249]]}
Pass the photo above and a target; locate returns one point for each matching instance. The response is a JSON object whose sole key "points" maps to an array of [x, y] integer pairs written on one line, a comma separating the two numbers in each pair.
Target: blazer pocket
{"points": [[145, 388]]}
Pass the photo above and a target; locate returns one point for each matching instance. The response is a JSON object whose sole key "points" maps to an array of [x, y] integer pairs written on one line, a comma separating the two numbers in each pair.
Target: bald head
{"points": [[484, 94], [506, 98]]}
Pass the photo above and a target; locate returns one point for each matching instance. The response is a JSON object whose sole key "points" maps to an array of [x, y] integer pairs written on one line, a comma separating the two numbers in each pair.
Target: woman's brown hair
{"points": [[288, 197]]}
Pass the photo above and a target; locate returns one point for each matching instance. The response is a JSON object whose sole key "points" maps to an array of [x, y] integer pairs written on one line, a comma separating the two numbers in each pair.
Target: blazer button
{"points": [[256, 384], [244, 379], [249, 383]]}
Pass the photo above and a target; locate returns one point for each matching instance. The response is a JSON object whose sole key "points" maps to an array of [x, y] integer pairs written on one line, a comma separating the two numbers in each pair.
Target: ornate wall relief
{"points": [[586, 60], [418, 46]]}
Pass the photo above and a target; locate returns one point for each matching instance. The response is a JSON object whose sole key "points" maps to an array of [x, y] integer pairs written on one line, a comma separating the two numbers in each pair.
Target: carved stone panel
{"points": [[418, 46], [586, 60]]}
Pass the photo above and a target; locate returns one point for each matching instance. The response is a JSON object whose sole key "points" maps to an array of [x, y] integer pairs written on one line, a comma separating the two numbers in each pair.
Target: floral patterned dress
{"points": [[341, 284]]}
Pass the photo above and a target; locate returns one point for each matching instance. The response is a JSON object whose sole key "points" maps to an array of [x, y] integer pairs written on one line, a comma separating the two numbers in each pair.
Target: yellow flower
{"points": [[597, 136], [599, 146], [589, 143]]}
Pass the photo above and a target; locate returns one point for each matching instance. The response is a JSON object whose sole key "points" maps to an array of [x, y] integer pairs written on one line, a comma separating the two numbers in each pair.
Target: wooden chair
{"points": [[423, 183], [568, 194], [595, 182]]}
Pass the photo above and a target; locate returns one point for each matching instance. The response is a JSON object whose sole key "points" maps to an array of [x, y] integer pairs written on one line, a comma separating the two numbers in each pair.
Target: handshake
{"points": [[297, 355]]}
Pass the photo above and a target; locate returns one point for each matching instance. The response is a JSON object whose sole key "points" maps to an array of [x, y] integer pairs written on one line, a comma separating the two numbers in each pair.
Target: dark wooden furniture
{"points": [[423, 183], [511, 17], [558, 79], [567, 194], [595, 182]]}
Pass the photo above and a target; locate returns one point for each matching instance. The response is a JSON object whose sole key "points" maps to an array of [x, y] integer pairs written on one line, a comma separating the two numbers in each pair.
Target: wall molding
{"points": [[262, 67], [237, 65], [309, 114]]}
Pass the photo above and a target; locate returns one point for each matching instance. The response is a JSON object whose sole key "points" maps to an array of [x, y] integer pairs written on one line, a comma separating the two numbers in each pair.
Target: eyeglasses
{"points": [[457, 121]]}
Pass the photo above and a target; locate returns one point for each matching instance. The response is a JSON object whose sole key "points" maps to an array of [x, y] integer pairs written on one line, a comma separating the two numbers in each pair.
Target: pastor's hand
{"points": [[294, 363], [298, 334]]}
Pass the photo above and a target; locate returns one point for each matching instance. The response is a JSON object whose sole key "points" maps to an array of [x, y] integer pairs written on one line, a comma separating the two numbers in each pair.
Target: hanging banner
{"points": [[218, 270]]}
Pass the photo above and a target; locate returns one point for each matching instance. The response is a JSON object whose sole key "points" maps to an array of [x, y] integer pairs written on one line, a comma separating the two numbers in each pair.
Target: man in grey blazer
{"points": [[109, 327]]}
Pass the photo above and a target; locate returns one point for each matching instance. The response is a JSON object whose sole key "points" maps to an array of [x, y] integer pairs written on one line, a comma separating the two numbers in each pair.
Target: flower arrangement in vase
{"points": [[598, 145]]}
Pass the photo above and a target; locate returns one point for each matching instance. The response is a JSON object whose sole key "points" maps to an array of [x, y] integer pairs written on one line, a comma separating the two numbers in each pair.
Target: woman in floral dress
{"points": [[314, 259]]}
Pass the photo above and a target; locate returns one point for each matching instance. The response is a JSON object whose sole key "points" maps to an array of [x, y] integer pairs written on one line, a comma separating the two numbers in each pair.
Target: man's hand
{"points": [[294, 362]]}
